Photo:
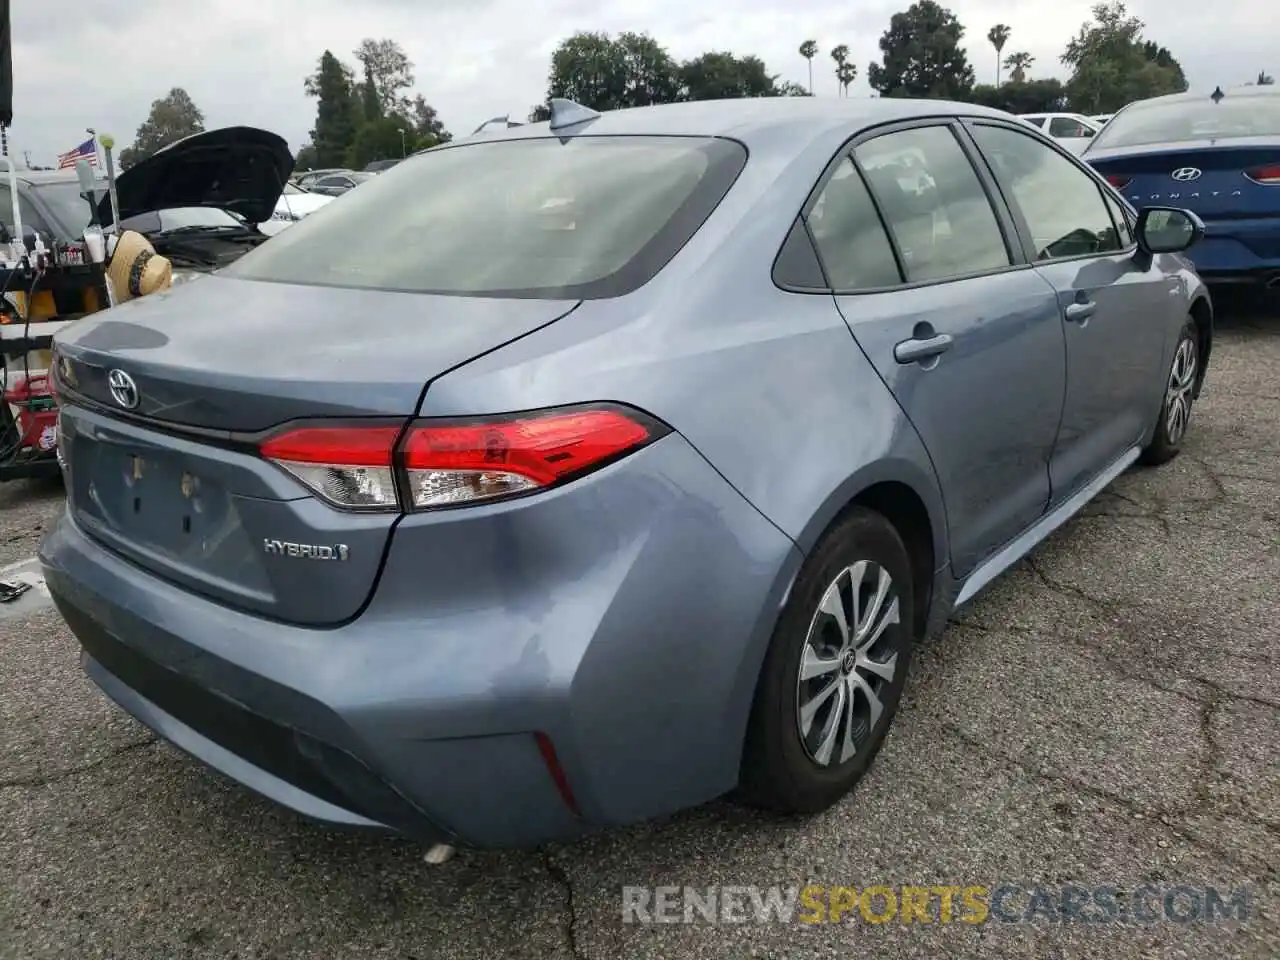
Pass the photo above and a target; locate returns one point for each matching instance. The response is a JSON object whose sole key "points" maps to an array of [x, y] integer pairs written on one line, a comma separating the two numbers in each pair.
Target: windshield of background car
{"points": [[583, 218], [176, 218], [1171, 121], [65, 203]]}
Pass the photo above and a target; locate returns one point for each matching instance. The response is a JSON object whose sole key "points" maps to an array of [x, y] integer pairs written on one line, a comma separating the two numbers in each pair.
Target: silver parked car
{"points": [[666, 435]]}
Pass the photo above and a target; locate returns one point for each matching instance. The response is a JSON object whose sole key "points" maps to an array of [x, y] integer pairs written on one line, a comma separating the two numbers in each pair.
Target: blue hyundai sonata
{"points": [[580, 472], [1216, 154]]}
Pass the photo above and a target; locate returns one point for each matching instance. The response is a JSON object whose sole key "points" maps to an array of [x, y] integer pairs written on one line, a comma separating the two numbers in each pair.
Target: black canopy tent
{"points": [[6, 66]]}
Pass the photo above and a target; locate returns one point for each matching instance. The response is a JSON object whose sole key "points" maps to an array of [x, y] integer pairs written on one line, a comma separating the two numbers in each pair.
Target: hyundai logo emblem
{"points": [[123, 390], [1185, 174]]}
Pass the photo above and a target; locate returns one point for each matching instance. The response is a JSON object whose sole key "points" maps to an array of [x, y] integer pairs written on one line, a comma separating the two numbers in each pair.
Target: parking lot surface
{"points": [[1107, 714]]}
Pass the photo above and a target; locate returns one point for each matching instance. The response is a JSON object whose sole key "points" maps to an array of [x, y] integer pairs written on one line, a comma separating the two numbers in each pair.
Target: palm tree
{"points": [[999, 36], [840, 55], [846, 73], [1018, 64], [809, 50]]}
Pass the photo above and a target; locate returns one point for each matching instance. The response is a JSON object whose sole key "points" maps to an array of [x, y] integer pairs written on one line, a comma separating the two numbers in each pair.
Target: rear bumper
{"points": [[634, 645], [1239, 251]]}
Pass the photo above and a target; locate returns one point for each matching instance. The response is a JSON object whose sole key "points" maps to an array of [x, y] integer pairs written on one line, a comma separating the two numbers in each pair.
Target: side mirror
{"points": [[1167, 230]]}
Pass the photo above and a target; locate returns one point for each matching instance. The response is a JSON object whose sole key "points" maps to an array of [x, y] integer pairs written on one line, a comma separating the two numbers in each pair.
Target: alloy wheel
{"points": [[1182, 380], [849, 659]]}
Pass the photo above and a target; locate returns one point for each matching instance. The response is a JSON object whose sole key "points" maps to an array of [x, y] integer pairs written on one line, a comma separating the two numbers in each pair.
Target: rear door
{"points": [[966, 336], [1115, 312]]}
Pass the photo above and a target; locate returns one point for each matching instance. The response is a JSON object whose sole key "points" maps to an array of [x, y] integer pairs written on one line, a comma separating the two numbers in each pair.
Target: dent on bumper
{"points": [[625, 616]]}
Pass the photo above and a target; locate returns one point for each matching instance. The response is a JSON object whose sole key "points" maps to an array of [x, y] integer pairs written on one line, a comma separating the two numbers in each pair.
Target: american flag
{"points": [[87, 151]]}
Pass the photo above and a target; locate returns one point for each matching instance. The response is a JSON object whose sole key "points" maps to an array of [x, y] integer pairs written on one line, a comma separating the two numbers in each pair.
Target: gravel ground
{"points": [[1106, 715]]}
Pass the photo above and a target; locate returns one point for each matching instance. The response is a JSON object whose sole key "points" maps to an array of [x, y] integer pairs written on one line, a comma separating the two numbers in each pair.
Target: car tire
{"points": [[789, 767], [1179, 398]]}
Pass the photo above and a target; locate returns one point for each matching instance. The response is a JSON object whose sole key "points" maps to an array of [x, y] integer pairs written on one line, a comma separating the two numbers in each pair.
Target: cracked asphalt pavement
{"points": [[1108, 713]]}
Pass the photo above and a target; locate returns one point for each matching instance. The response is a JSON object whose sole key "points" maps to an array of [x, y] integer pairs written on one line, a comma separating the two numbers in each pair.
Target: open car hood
{"points": [[241, 169]]}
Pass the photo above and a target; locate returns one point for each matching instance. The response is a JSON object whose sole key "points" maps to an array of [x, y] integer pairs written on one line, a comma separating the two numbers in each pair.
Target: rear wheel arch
{"points": [[907, 511]]}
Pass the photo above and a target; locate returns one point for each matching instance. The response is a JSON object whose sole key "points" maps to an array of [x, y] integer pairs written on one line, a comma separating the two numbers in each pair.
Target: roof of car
{"points": [[38, 178], [1228, 93], [752, 120]]}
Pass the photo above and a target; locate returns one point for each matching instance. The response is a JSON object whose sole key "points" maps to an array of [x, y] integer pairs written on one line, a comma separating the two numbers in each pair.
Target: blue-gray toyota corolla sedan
{"points": [[580, 472]]}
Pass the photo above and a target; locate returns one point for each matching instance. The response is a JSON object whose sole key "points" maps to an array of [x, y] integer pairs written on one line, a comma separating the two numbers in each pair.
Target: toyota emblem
{"points": [[123, 390], [1186, 174]]}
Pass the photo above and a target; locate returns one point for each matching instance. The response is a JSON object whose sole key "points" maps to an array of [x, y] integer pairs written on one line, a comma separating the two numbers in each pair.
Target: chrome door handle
{"points": [[1077, 312], [913, 351]]}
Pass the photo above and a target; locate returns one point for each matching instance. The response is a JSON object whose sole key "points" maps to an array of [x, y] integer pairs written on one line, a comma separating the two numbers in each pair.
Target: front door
{"points": [[1115, 339], [969, 342]]}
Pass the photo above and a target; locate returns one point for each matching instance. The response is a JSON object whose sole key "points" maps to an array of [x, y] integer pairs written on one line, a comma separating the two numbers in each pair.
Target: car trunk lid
{"points": [[1205, 176], [173, 481]]}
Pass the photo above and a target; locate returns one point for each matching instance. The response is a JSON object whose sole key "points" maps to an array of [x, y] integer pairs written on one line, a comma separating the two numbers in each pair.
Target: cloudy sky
{"points": [[101, 63]]}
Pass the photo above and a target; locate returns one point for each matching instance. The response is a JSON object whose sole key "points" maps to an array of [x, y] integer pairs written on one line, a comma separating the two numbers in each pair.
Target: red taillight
{"points": [[345, 446], [1118, 181], [1268, 175], [349, 466], [448, 464], [444, 463]]}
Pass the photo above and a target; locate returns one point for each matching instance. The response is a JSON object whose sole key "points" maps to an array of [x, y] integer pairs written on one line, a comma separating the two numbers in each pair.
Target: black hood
{"points": [[240, 169]]}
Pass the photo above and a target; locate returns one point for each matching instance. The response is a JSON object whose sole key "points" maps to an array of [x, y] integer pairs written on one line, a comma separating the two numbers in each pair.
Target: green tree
{"points": [[650, 75], [1265, 79], [172, 117], [1112, 65], [1161, 57], [306, 158], [840, 54], [427, 125], [539, 112], [998, 36], [922, 56], [370, 103], [588, 68], [336, 111], [809, 50], [606, 73], [789, 89], [388, 69], [719, 75], [846, 73], [1018, 96], [383, 139], [1018, 64]]}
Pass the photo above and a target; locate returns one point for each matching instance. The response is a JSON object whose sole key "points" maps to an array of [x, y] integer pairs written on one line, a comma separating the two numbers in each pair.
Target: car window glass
{"points": [[1062, 204], [332, 182], [1035, 121], [538, 217], [1120, 218], [1163, 120], [30, 216], [934, 203], [797, 265], [849, 236]]}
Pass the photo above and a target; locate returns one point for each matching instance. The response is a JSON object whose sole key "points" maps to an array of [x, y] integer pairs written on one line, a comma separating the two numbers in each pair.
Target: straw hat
{"points": [[136, 269]]}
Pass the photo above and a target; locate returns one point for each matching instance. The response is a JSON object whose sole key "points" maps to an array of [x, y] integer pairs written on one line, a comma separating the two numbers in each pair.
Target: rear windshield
{"points": [[1201, 119], [586, 218]]}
